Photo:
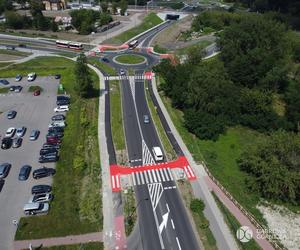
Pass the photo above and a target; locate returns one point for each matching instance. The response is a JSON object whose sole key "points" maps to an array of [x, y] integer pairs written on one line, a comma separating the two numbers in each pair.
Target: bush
{"points": [[197, 206]]}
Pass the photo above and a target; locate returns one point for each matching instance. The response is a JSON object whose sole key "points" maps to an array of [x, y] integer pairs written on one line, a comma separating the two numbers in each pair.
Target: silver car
{"points": [[36, 208], [17, 142], [21, 131]]}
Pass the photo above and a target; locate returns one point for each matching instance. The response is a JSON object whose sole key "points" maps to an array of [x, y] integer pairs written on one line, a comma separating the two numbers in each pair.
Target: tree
{"points": [[36, 7], [83, 20], [83, 83], [253, 49], [273, 167], [123, 5], [104, 6], [114, 6], [54, 26], [105, 18], [14, 20]]}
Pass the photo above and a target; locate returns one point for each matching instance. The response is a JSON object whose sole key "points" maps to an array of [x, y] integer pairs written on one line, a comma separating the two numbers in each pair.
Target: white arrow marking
{"points": [[164, 222]]}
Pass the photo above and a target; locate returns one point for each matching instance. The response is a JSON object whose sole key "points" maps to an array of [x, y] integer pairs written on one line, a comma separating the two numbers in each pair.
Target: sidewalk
{"points": [[59, 241], [202, 188]]}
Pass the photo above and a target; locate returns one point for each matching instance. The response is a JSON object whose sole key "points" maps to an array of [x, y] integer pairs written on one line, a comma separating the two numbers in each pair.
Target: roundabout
{"points": [[130, 59]]}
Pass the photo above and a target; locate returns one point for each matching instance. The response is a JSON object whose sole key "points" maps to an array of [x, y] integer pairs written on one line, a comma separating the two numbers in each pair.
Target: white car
{"points": [[60, 124], [10, 132], [40, 198], [63, 108], [36, 208], [20, 131], [31, 77]]}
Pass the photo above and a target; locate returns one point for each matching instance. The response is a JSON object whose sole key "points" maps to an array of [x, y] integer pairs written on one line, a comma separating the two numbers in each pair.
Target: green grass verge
{"points": [[234, 225], [170, 153], [102, 66], [149, 21], [200, 222], [130, 59], [34, 88], [116, 116], [200, 46], [76, 207], [4, 64], [84, 246], [14, 52], [130, 215], [221, 157], [159, 49], [4, 90]]}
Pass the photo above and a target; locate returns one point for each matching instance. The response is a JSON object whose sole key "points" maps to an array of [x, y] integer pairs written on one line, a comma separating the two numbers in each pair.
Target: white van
{"points": [[158, 155], [36, 208]]}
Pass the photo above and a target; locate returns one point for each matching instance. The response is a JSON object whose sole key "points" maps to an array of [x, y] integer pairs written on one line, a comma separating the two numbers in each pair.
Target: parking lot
{"points": [[33, 112]]}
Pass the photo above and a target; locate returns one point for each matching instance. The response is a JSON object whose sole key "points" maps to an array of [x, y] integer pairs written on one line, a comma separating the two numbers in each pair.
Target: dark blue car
{"points": [[4, 82]]}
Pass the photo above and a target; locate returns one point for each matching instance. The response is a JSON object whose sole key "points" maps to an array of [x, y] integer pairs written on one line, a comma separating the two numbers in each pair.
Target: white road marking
{"points": [[162, 175], [154, 177], [113, 181], [133, 179], [137, 178], [169, 171], [155, 193], [146, 177], [117, 181], [168, 207], [142, 177], [158, 175], [172, 224], [167, 177], [187, 172], [178, 243], [191, 171], [150, 176]]}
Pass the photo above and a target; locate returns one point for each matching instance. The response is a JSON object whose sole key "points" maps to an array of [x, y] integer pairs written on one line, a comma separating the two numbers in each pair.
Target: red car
{"points": [[53, 140], [37, 92]]}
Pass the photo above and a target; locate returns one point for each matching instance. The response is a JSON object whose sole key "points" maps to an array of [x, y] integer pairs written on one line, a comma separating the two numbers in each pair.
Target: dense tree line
{"points": [[84, 20], [288, 9], [239, 86], [273, 167]]}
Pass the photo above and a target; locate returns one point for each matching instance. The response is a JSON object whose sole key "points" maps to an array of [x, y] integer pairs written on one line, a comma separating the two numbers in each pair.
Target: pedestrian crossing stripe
{"points": [[151, 176], [115, 183], [135, 77]]}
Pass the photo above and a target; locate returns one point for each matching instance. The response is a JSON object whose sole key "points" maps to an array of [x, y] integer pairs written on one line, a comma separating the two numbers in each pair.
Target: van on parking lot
{"points": [[158, 155]]}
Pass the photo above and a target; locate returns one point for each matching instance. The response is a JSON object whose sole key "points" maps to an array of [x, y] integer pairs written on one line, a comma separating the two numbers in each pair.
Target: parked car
{"points": [[34, 135], [37, 92], [57, 76], [18, 78], [53, 140], [21, 131], [60, 124], [17, 142], [31, 77], [18, 89], [40, 189], [63, 108], [24, 172], [47, 151], [43, 172], [46, 145], [36, 208], [11, 114], [59, 117], [4, 169], [146, 119], [122, 72], [56, 129], [4, 82], [104, 59], [10, 132], [55, 133], [48, 158], [12, 88], [6, 143], [41, 198]]}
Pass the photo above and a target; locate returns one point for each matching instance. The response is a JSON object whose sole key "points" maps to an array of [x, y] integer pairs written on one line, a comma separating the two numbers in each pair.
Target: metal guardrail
{"points": [[270, 237]]}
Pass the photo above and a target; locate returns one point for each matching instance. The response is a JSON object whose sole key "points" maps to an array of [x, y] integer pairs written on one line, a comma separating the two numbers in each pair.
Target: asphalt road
{"points": [[34, 112], [178, 233]]}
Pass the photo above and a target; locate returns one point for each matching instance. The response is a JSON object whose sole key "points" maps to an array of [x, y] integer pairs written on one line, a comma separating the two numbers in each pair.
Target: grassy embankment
{"points": [[149, 21], [14, 53], [130, 59], [221, 157], [34, 88], [102, 66], [76, 208], [234, 225], [4, 90]]}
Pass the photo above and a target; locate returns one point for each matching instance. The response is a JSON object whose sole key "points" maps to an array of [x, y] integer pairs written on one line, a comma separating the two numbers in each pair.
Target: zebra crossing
{"points": [[135, 77], [151, 176], [147, 156]]}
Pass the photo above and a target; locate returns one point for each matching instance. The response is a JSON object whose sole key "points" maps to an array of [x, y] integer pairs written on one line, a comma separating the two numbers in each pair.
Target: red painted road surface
{"points": [[116, 170]]}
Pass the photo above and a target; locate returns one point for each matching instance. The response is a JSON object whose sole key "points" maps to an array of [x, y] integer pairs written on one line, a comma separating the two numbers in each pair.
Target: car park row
{"points": [[13, 138]]}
